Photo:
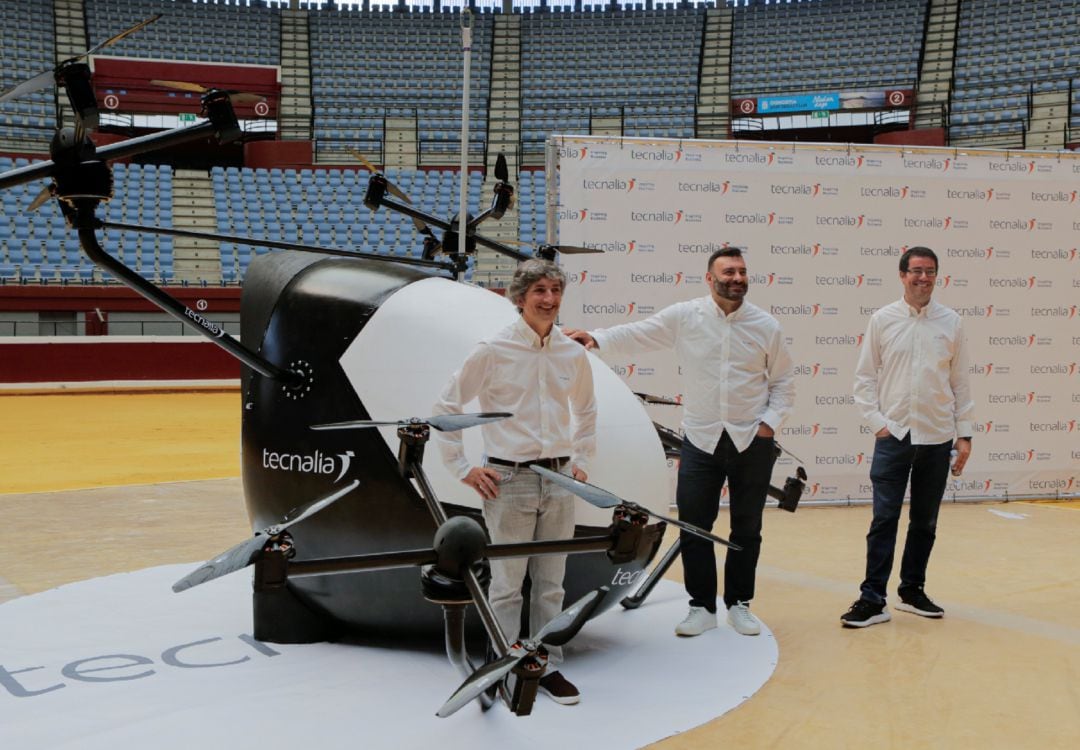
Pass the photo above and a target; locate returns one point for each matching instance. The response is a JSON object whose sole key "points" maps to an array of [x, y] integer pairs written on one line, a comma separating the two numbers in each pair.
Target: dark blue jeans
{"points": [[701, 477], [928, 468]]}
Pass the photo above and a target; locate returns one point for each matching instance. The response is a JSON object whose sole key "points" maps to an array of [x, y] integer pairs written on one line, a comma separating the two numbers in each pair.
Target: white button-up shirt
{"points": [[545, 384], [912, 374], [737, 372]]}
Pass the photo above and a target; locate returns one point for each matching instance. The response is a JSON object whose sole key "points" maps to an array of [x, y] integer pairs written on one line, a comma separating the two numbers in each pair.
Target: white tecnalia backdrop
{"points": [[823, 227]]}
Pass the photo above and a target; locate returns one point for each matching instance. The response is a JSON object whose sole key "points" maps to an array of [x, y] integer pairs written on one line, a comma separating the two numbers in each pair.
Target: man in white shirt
{"points": [[911, 383], [532, 370], [739, 387]]}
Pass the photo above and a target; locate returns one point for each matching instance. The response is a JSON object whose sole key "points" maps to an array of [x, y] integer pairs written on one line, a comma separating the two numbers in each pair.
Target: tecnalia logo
{"points": [[755, 218], [844, 459], [613, 184], [657, 278], [1057, 426], [1015, 225], [854, 222], [970, 195], [839, 161], [841, 280], [655, 155], [737, 157], [213, 652], [704, 248], [1018, 397], [805, 190], [932, 164], [657, 217], [1022, 167], [709, 186], [855, 340], [891, 191], [1054, 196], [1056, 254], [985, 253], [308, 463], [1067, 369]]}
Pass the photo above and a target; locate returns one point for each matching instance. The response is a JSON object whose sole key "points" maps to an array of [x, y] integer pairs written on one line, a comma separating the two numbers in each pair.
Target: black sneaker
{"points": [[559, 689], [917, 602], [864, 613]]}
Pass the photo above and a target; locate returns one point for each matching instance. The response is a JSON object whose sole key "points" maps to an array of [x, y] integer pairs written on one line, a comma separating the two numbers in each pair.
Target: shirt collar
{"points": [[710, 304], [528, 335], [926, 312]]}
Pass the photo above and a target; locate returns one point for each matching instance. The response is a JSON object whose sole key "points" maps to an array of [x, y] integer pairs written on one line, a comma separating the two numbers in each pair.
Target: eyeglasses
{"points": [[927, 272]]}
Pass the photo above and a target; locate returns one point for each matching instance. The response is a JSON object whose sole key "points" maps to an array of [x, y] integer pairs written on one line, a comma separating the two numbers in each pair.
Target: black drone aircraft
{"points": [[340, 521]]}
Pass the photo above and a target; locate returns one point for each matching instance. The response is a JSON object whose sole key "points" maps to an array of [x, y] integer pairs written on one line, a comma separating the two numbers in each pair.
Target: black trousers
{"points": [[701, 479]]}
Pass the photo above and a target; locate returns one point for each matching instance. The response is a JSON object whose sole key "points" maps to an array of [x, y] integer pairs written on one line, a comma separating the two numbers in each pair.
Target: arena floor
{"points": [[95, 484]]}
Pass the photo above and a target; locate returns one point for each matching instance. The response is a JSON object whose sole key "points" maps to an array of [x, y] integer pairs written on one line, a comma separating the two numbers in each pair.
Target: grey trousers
{"points": [[528, 508]]}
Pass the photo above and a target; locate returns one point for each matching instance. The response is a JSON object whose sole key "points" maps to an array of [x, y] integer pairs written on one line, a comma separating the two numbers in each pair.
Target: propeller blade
{"points": [[482, 679], [311, 509], [604, 499], [590, 493], [38, 82], [501, 172], [244, 554], [181, 86], [443, 422], [48, 77], [576, 249], [557, 632], [114, 39], [242, 97], [648, 398], [41, 198], [567, 623], [229, 561], [363, 160], [695, 530], [455, 422], [391, 187]]}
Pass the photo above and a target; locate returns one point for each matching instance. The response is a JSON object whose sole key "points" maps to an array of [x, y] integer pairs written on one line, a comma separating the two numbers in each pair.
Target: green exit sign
{"points": [[187, 117], [820, 115]]}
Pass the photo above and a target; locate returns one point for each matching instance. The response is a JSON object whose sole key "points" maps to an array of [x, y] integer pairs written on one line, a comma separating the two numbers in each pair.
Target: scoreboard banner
{"points": [[822, 228]]}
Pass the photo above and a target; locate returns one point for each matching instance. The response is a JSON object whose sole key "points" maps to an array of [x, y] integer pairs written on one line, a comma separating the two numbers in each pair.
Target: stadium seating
{"points": [[44, 250], [27, 41], [637, 67], [195, 32], [326, 208]]}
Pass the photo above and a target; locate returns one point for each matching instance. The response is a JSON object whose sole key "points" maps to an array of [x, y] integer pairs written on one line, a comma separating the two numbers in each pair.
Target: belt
{"points": [[548, 463]]}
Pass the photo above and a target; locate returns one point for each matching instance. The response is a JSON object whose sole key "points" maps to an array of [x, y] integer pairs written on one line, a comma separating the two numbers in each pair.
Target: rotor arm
{"points": [[277, 244], [86, 224], [404, 208]]}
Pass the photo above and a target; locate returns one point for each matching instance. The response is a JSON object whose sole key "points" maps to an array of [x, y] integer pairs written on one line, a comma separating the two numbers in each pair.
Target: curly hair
{"points": [[528, 273]]}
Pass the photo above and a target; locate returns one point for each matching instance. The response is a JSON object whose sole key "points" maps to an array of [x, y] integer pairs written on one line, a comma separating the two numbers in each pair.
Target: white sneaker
{"points": [[742, 621], [697, 621]]}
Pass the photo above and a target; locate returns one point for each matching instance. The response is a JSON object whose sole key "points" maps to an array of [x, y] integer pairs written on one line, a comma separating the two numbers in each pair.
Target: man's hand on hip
{"points": [[484, 480]]}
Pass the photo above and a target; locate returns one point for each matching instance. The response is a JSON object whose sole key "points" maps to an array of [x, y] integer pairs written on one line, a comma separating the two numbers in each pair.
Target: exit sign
{"points": [[187, 117]]}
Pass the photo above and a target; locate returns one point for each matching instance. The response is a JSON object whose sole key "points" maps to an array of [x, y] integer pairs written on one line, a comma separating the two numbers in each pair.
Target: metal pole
{"points": [[463, 195], [551, 190]]}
